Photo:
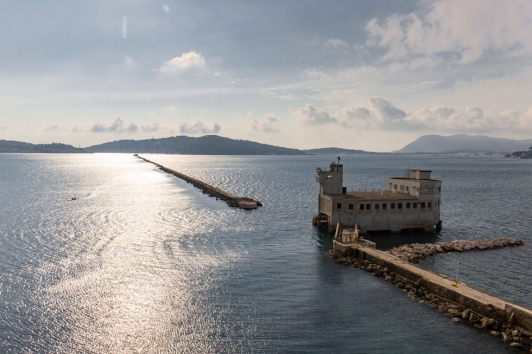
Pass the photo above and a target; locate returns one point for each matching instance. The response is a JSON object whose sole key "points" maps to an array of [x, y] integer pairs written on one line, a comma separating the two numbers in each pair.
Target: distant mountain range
{"points": [[217, 145], [54, 148], [464, 143], [185, 145]]}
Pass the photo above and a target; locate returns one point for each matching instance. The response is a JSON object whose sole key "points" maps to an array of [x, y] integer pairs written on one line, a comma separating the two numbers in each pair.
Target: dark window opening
{"points": [[399, 205], [392, 206], [384, 207], [368, 206], [415, 205], [361, 206], [376, 206], [423, 205], [350, 206], [338, 205], [408, 205], [430, 205]]}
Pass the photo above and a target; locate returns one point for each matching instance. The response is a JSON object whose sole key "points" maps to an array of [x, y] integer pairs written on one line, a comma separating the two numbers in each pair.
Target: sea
{"points": [[142, 262]]}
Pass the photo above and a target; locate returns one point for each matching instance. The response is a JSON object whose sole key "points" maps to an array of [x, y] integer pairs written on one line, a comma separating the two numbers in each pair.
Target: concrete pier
{"points": [[504, 318], [230, 199]]}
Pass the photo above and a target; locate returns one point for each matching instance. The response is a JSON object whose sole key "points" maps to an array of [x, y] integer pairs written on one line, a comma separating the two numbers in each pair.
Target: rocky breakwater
{"points": [[205, 188], [418, 251], [496, 324]]}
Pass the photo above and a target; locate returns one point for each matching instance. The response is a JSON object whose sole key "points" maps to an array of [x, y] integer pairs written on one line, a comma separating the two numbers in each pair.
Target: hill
{"points": [[185, 145], [464, 143], [523, 154], [53, 148]]}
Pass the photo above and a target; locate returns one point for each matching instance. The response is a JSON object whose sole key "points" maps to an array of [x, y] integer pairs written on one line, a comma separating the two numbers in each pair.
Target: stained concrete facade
{"points": [[411, 202]]}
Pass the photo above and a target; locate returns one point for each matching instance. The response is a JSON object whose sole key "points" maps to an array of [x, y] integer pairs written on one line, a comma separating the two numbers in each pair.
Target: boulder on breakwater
{"points": [[418, 251]]}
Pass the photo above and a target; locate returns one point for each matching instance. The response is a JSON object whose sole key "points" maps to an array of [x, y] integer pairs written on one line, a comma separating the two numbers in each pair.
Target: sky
{"points": [[371, 75]]}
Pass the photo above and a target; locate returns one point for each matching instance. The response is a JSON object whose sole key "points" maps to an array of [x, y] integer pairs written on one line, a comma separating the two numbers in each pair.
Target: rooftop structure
{"points": [[411, 202]]}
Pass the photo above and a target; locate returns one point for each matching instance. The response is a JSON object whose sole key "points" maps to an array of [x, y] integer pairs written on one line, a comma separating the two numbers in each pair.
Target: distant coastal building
{"points": [[410, 202]]}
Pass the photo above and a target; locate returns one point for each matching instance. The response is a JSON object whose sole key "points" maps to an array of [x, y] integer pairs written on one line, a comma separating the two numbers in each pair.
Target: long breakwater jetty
{"points": [[230, 199], [463, 303]]}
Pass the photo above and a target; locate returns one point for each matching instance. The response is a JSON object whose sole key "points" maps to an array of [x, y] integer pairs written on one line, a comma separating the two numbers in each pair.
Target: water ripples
{"points": [[143, 262]]}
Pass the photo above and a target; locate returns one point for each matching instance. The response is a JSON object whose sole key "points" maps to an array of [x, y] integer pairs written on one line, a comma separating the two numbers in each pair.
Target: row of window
{"points": [[383, 206], [407, 188]]}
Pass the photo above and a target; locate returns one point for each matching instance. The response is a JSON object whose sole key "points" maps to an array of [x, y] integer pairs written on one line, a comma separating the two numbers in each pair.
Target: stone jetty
{"points": [[230, 199], [418, 251], [462, 303]]}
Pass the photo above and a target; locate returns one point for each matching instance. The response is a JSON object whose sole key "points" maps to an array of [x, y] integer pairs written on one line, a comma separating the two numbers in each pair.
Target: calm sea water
{"points": [[144, 263]]}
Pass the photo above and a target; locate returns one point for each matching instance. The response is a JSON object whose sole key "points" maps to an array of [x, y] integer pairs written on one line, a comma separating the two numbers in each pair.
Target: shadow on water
{"points": [[324, 240]]}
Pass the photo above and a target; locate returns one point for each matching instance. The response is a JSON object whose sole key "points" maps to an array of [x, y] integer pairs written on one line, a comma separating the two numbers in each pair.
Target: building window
{"points": [[423, 205], [395, 186], [415, 205], [361, 206], [390, 185], [430, 205], [368, 206], [439, 189], [350, 206], [399, 205], [408, 205], [384, 207], [338, 205], [392, 206], [407, 189], [376, 206]]}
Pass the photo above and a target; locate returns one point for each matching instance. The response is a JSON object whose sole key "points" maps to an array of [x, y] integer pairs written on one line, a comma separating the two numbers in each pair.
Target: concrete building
{"points": [[411, 202]]}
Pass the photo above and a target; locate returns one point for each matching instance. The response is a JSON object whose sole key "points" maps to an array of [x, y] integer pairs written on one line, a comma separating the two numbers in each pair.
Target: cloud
{"points": [[314, 116], [386, 109], [186, 61], [269, 124], [56, 128], [150, 128], [118, 126], [383, 115], [461, 31], [198, 128], [358, 117], [3, 128], [337, 43]]}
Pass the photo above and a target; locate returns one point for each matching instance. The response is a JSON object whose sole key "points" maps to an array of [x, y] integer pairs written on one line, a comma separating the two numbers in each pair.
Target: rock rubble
{"points": [[418, 251]]}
